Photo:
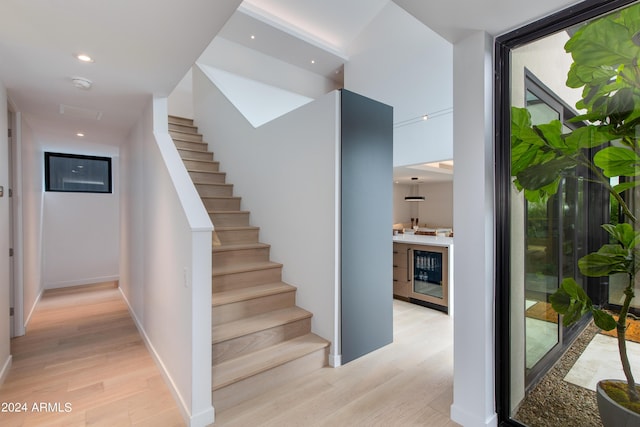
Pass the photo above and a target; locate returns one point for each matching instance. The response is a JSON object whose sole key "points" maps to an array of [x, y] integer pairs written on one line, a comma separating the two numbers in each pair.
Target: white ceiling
{"points": [[144, 47]]}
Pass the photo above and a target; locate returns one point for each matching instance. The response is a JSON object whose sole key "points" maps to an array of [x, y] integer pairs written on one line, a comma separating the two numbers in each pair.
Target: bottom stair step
{"points": [[248, 376]]}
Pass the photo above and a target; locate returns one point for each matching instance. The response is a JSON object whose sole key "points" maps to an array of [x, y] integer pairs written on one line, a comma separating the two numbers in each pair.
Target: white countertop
{"points": [[423, 240]]}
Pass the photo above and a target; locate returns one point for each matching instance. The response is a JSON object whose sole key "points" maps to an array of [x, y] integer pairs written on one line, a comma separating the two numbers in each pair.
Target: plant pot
{"points": [[613, 414]]}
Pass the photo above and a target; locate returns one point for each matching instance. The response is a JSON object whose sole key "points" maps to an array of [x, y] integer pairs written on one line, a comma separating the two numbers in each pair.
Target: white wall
{"points": [[240, 60], [180, 101], [285, 172], [435, 211], [548, 61], [5, 356], [411, 70], [473, 222], [32, 202], [80, 230], [165, 254]]}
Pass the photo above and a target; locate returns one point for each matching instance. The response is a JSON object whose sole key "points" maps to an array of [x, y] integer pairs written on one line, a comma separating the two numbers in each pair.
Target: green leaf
{"points": [[617, 161], [622, 233], [590, 136], [551, 133], [603, 320], [541, 175], [560, 301], [599, 264], [624, 186], [571, 301]]}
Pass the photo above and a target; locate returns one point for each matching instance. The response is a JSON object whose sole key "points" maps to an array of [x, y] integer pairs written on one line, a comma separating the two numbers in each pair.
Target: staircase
{"points": [[261, 339]]}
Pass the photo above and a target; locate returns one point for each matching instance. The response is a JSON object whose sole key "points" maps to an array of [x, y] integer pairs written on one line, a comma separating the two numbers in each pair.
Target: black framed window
{"points": [[512, 250], [77, 173]]}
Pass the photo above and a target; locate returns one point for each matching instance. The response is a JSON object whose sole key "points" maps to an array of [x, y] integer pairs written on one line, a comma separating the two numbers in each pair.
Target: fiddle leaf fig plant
{"points": [[606, 66]]}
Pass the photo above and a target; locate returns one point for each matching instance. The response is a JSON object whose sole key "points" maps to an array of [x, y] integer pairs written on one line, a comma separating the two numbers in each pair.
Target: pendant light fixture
{"points": [[414, 196]]}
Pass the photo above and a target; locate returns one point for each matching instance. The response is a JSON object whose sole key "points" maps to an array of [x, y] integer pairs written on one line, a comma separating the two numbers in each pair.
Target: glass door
{"points": [[429, 284]]}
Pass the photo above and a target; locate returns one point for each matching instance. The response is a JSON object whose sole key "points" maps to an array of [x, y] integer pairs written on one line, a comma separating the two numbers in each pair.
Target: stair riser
{"points": [[188, 145], [212, 190], [180, 120], [208, 177], [240, 256], [244, 279], [222, 204], [251, 387], [259, 340], [236, 237], [183, 128], [196, 165], [195, 155], [230, 219], [241, 309], [193, 137]]}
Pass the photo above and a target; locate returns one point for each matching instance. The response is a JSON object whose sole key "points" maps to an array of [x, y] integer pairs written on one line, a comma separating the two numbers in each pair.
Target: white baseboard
{"points": [[202, 419], [6, 367], [335, 360], [465, 418], [80, 282], [192, 420]]}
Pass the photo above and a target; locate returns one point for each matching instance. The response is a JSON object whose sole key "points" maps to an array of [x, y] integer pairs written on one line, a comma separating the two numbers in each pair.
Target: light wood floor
{"points": [[82, 348], [83, 356], [408, 383]]}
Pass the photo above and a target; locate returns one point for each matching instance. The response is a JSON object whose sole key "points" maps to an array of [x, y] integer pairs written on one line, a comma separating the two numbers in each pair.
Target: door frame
{"points": [[559, 21], [15, 222]]}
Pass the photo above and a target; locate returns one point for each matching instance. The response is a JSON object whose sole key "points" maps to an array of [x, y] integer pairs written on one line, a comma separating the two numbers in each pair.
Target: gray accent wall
{"points": [[366, 225]]}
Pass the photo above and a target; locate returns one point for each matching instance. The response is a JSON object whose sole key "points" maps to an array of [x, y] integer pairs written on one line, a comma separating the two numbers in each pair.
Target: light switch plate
{"points": [[1, 190]]}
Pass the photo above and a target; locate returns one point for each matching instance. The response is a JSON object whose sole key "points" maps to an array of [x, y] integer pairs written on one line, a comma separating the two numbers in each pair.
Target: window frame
{"points": [[48, 187]]}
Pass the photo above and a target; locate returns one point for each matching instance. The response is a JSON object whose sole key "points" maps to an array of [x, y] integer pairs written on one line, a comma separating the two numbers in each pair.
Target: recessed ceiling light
{"points": [[313, 61], [425, 117], [253, 37], [80, 134], [84, 57]]}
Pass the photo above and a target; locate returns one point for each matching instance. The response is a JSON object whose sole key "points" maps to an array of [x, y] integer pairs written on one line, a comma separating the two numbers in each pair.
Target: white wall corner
{"points": [[335, 360], [200, 283], [160, 115], [474, 325], [6, 367]]}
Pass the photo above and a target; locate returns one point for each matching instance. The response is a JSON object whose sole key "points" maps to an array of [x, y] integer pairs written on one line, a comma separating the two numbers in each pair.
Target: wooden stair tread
{"points": [[236, 228], [252, 292], [242, 268], [184, 133], [240, 246], [214, 184], [243, 367], [219, 211], [260, 322], [201, 161], [221, 197], [191, 150]]}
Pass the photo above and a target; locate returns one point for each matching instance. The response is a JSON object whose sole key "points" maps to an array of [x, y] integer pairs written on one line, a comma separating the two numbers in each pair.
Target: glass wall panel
{"points": [[571, 234]]}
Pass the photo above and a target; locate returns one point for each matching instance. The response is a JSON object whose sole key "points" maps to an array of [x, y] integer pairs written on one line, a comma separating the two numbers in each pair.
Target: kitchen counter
{"points": [[414, 239]]}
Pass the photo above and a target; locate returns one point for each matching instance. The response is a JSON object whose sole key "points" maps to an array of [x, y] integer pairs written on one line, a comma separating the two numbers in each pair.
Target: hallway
{"points": [[83, 362]]}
